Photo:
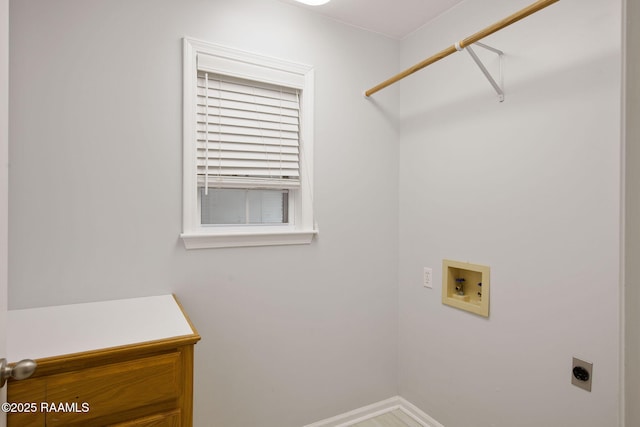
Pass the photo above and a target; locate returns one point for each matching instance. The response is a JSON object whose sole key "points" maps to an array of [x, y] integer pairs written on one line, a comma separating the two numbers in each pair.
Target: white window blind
{"points": [[247, 133]]}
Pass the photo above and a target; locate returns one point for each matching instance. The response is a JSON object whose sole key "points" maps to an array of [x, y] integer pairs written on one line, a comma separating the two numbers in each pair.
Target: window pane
{"points": [[223, 206], [266, 207], [239, 206]]}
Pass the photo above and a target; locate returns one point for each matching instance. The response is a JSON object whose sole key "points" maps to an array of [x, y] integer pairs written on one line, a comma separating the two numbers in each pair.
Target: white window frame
{"points": [[245, 65]]}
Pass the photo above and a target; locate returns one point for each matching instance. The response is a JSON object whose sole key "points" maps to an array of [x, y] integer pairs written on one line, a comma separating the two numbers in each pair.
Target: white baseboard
{"points": [[359, 414], [371, 411], [417, 414]]}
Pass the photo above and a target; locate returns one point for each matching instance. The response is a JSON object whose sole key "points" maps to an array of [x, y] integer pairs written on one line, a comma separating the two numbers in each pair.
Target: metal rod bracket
{"points": [[499, 88]]}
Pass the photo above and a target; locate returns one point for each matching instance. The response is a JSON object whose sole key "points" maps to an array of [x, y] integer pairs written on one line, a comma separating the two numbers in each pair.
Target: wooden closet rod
{"points": [[529, 10]]}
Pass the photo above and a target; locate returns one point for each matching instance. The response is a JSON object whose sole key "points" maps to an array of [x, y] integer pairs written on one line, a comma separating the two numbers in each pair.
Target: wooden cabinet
{"points": [[143, 384]]}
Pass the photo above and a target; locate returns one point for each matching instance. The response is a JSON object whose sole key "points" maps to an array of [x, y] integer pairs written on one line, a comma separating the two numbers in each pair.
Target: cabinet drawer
{"points": [[115, 388], [170, 419], [102, 395]]}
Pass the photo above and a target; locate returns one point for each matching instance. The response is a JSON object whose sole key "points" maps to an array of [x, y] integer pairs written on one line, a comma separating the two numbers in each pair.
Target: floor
{"points": [[395, 418]]}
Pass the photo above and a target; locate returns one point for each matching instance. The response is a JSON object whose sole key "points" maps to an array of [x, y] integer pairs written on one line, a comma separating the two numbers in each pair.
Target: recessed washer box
{"points": [[466, 286]]}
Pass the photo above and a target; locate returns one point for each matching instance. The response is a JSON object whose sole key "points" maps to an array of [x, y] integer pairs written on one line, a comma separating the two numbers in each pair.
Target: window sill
{"points": [[239, 240]]}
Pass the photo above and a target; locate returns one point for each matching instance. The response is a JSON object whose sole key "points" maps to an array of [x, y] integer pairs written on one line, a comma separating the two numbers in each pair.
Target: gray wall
{"points": [[529, 187], [632, 219], [290, 335]]}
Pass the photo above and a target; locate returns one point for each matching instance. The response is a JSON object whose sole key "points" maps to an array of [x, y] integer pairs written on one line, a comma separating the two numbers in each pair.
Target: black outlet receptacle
{"points": [[582, 374]]}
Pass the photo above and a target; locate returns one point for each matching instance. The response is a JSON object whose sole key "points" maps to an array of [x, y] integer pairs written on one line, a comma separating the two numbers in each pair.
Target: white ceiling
{"points": [[393, 18]]}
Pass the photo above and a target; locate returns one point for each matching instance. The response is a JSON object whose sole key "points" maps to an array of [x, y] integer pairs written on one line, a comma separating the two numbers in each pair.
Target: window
{"points": [[248, 146]]}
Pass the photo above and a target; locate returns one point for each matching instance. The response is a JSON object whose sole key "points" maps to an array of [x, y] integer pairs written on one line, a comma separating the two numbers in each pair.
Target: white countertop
{"points": [[53, 331]]}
